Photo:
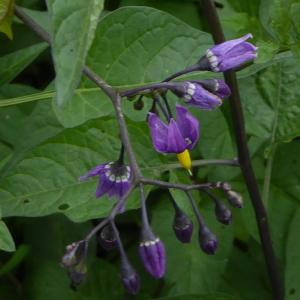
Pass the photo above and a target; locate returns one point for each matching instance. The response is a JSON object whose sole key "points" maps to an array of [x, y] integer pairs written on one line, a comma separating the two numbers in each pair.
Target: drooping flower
{"points": [[178, 136], [231, 54], [182, 226], [206, 94], [114, 179]]}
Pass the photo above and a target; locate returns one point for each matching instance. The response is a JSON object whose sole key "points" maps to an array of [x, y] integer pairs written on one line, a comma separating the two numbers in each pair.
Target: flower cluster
{"points": [[178, 134]]}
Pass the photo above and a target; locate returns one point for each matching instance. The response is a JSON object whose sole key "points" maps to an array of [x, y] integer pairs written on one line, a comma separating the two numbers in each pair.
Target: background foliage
{"points": [[53, 130]]}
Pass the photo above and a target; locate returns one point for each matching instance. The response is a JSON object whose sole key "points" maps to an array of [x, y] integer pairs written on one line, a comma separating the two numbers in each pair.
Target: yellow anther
{"points": [[185, 160]]}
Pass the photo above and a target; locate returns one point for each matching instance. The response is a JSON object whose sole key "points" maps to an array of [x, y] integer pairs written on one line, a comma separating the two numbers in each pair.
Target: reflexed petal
{"points": [[175, 140], [188, 125], [159, 133], [104, 186], [93, 172]]}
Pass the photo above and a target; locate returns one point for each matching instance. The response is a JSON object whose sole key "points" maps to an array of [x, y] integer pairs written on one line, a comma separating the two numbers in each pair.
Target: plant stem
{"points": [[244, 158]]}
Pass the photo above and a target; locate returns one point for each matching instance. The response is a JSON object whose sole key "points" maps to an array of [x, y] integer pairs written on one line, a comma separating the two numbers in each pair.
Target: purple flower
{"points": [[183, 227], [231, 54], [114, 179], [152, 253], [178, 135]]}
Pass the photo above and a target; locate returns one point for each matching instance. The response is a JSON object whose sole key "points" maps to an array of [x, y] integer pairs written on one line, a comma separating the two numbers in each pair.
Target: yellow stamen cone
{"points": [[185, 160]]}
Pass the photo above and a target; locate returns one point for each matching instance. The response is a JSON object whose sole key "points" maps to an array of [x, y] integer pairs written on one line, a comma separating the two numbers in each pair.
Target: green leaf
{"points": [[6, 16], [6, 240], [12, 64], [271, 103], [73, 27], [45, 180]]}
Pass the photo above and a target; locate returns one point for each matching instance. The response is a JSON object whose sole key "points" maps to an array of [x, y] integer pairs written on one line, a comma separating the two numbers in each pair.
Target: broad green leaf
{"points": [[12, 64], [6, 240], [45, 180], [141, 45], [6, 16], [73, 27], [271, 103], [184, 10]]}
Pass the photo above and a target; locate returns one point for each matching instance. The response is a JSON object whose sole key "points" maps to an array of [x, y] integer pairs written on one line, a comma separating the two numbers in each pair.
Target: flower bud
{"points": [[208, 241], [129, 277], [107, 238], [223, 214], [152, 253], [182, 226], [234, 199], [75, 253]]}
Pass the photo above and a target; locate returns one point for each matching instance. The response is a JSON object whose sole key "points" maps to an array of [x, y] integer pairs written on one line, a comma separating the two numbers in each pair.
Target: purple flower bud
{"points": [[107, 238], [196, 95], [129, 277], [223, 214], [215, 86], [183, 227], [231, 54], [115, 179], [234, 199], [208, 241], [178, 135], [152, 253]]}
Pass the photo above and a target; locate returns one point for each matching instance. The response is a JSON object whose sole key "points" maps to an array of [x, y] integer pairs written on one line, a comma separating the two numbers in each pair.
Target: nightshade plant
{"points": [[178, 136], [171, 133]]}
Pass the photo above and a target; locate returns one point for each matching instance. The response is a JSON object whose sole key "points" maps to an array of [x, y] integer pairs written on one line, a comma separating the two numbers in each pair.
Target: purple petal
{"points": [[153, 257], [188, 125], [204, 99], [176, 142], [104, 186], [93, 172], [159, 133], [223, 89], [236, 61], [223, 48]]}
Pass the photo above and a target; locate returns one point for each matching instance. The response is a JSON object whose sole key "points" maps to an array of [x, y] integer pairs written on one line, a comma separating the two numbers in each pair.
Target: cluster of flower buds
{"points": [[178, 135]]}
